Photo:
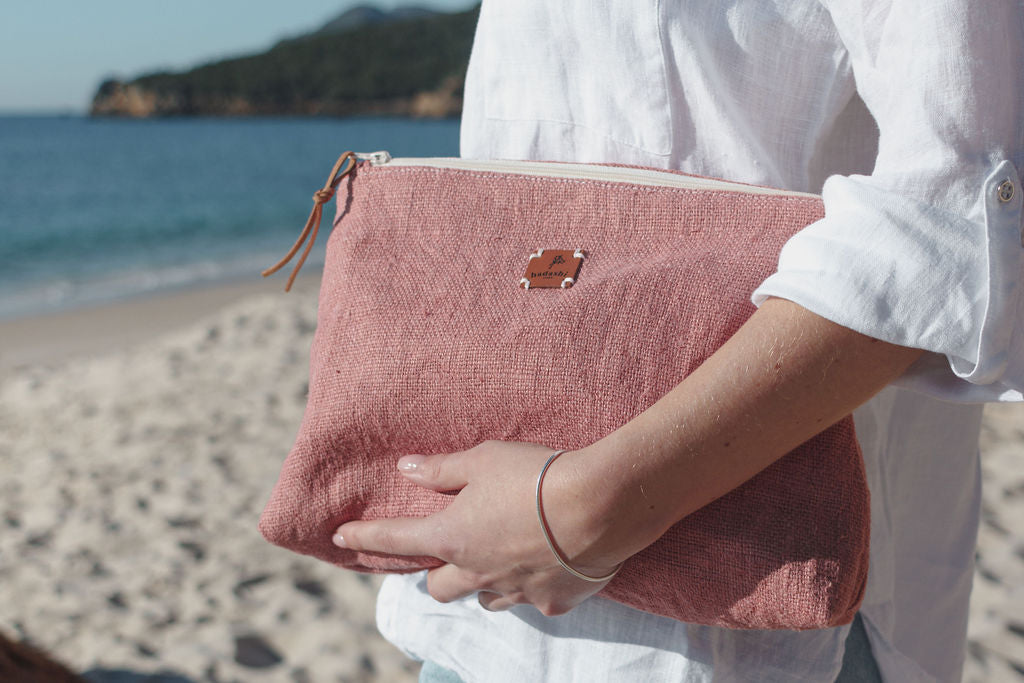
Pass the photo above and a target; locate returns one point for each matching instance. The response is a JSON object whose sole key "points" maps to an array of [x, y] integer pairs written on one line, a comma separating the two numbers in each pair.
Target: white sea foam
{"points": [[63, 293]]}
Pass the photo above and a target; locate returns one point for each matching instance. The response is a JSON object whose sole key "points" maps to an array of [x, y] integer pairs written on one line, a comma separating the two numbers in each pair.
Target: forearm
{"points": [[785, 376]]}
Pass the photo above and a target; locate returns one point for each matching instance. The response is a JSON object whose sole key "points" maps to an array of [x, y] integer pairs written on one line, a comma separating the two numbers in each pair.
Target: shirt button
{"points": [[1005, 191]]}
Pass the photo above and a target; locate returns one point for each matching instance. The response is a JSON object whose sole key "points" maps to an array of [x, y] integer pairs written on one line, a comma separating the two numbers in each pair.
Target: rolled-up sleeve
{"points": [[927, 251]]}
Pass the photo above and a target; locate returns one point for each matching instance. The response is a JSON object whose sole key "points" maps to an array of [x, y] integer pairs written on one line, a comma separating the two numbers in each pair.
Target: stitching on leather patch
{"points": [[552, 269]]}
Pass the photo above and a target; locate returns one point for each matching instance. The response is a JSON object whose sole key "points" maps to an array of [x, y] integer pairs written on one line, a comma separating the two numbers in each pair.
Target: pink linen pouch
{"points": [[426, 343]]}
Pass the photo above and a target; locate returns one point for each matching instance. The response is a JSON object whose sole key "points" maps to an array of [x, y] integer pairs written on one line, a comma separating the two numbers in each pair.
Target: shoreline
{"points": [[56, 336], [135, 459]]}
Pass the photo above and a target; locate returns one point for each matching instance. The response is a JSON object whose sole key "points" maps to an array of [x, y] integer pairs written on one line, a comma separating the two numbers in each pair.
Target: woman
{"points": [[915, 265]]}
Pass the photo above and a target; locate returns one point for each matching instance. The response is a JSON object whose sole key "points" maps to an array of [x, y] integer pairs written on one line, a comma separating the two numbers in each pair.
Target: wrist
{"points": [[596, 513]]}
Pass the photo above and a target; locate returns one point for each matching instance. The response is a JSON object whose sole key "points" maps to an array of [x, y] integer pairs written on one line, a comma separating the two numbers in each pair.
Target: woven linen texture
{"points": [[426, 344]]}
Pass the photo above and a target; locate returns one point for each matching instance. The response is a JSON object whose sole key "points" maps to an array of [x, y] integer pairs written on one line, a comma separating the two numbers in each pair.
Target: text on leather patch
{"points": [[552, 268]]}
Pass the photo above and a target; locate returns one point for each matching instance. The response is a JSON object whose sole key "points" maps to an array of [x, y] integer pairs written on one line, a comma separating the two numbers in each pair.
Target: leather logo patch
{"points": [[552, 268]]}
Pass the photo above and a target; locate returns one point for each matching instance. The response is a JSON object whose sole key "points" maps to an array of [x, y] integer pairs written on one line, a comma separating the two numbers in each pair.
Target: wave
{"points": [[57, 294]]}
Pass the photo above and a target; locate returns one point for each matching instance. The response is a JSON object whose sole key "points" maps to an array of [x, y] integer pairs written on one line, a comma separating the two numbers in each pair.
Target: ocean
{"points": [[94, 210]]}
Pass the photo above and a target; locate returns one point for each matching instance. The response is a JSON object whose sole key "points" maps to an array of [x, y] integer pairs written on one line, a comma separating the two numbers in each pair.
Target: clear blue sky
{"points": [[53, 53]]}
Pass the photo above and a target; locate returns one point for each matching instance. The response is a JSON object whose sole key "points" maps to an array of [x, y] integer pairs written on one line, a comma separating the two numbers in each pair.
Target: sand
{"points": [[138, 443], [130, 487]]}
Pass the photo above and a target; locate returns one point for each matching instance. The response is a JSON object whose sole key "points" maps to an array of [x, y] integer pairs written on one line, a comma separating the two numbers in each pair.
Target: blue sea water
{"points": [[99, 209]]}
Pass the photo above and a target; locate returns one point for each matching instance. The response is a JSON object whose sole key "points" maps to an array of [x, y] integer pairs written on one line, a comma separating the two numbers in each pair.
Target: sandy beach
{"points": [[138, 444]]}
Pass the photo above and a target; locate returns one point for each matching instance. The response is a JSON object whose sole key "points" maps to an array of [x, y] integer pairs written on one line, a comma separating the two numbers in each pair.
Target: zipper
{"points": [[555, 169], [548, 169], [378, 158]]}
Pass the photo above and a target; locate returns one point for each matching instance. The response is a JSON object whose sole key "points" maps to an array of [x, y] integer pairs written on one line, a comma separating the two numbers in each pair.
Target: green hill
{"points": [[407, 62]]}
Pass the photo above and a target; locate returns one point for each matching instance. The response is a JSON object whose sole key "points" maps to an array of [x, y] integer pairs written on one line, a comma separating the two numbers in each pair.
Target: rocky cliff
{"points": [[408, 62]]}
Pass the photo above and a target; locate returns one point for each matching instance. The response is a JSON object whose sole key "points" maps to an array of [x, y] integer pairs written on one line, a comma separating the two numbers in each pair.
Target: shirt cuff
{"points": [[918, 275]]}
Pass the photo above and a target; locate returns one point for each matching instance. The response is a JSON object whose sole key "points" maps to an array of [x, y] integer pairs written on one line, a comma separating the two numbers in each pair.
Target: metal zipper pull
{"points": [[378, 158]]}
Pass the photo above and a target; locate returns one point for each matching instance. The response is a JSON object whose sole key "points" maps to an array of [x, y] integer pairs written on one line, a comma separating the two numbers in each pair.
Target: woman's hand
{"points": [[786, 375], [490, 536]]}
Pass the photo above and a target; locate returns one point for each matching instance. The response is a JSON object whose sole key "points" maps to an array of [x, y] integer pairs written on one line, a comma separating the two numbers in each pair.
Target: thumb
{"points": [[438, 472]]}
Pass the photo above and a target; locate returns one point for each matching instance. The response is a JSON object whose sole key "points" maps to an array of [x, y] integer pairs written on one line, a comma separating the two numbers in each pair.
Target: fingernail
{"points": [[339, 541], [410, 463]]}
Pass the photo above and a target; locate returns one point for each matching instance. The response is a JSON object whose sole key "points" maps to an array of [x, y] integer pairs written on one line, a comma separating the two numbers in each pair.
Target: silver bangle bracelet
{"points": [[547, 532]]}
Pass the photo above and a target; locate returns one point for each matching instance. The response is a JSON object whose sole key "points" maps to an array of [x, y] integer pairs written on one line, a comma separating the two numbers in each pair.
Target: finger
{"points": [[493, 602], [402, 536], [445, 472], [448, 583]]}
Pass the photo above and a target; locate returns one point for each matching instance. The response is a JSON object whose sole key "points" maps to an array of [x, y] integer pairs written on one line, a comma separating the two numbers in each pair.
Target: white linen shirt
{"points": [[906, 116]]}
